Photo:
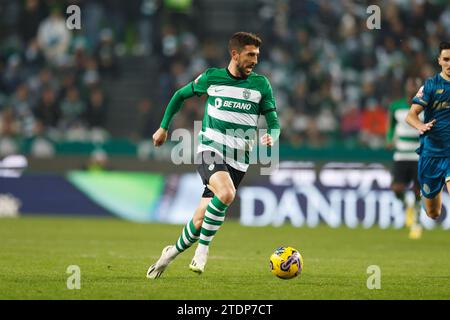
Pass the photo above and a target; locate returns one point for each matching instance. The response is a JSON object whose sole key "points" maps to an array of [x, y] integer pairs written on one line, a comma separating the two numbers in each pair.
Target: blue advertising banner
{"points": [[47, 194]]}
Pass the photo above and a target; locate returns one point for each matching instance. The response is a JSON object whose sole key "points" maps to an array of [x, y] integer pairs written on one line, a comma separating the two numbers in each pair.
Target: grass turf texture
{"points": [[114, 255]]}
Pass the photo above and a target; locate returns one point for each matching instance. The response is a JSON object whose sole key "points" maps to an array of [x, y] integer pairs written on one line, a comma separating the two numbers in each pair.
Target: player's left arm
{"points": [[273, 126], [268, 109]]}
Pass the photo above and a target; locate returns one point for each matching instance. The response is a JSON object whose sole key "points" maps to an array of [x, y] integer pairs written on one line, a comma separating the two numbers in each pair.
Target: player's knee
{"points": [[226, 195], [433, 213]]}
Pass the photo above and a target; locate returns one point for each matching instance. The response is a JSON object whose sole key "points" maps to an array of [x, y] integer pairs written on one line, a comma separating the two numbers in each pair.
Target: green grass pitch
{"points": [[114, 255]]}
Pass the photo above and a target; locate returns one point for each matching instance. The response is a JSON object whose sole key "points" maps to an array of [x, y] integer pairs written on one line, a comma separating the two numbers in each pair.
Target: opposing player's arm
{"points": [[419, 103], [413, 119]]}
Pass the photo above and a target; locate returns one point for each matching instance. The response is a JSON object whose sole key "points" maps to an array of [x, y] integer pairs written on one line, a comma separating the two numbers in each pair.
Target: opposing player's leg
{"points": [[417, 197], [224, 192], [415, 231], [189, 235], [399, 189], [433, 206], [403, 173], [413, 211]]}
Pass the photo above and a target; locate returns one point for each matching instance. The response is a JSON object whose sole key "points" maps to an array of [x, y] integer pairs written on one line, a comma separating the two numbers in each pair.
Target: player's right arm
{"points": [[175, 104], [196, 87], [413, 119], [420, 102]]}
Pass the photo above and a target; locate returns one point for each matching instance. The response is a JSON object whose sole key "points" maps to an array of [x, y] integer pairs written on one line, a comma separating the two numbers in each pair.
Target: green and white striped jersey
{"points": [[232, 109], [404, 137]]}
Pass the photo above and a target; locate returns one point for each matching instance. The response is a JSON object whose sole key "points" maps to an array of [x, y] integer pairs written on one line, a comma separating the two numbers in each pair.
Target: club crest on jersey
{"points": [[246, 94], [439, 91]]}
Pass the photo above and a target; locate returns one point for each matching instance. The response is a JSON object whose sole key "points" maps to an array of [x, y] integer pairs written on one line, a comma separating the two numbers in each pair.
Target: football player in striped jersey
{"points": [[404, 140], [236, 97]]}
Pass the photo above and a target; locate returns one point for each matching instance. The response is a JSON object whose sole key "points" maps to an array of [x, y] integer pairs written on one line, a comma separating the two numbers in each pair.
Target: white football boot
{"points": [[198, 263], [156, 269]]}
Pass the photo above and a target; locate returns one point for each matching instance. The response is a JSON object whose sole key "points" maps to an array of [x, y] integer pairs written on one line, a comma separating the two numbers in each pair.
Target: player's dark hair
{"points": [[241, 39], [444, 45]]}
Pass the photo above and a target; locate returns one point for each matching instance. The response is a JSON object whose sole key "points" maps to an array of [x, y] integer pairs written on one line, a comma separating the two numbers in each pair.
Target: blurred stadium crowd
{"points": [[333, 78]]}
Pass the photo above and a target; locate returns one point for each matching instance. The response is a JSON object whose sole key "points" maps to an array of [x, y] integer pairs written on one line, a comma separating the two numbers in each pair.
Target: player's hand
{"points": [[424, 127], [159, 137], [267, 140], [389, 146]]}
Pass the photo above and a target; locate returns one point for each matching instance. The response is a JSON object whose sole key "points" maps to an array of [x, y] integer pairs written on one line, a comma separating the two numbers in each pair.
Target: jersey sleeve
{"points": [[423, 96], [200, 84], [267, 103], [175, 104]]}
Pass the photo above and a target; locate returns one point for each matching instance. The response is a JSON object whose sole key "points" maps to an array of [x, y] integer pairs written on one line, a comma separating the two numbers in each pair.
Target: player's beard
{"points": [[242, 70]]}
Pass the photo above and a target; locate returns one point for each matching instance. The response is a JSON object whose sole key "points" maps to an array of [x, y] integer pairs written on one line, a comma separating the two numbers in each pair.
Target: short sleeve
{"points": [[267, 103], [200, 84], [423, 96]]}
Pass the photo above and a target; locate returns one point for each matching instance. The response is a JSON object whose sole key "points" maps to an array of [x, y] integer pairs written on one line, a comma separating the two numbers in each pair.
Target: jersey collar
{"points": [[234, 77]]}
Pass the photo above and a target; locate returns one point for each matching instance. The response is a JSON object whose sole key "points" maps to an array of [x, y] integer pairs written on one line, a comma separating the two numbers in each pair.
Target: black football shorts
{"points": [[405, 172], [210, 163]]}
